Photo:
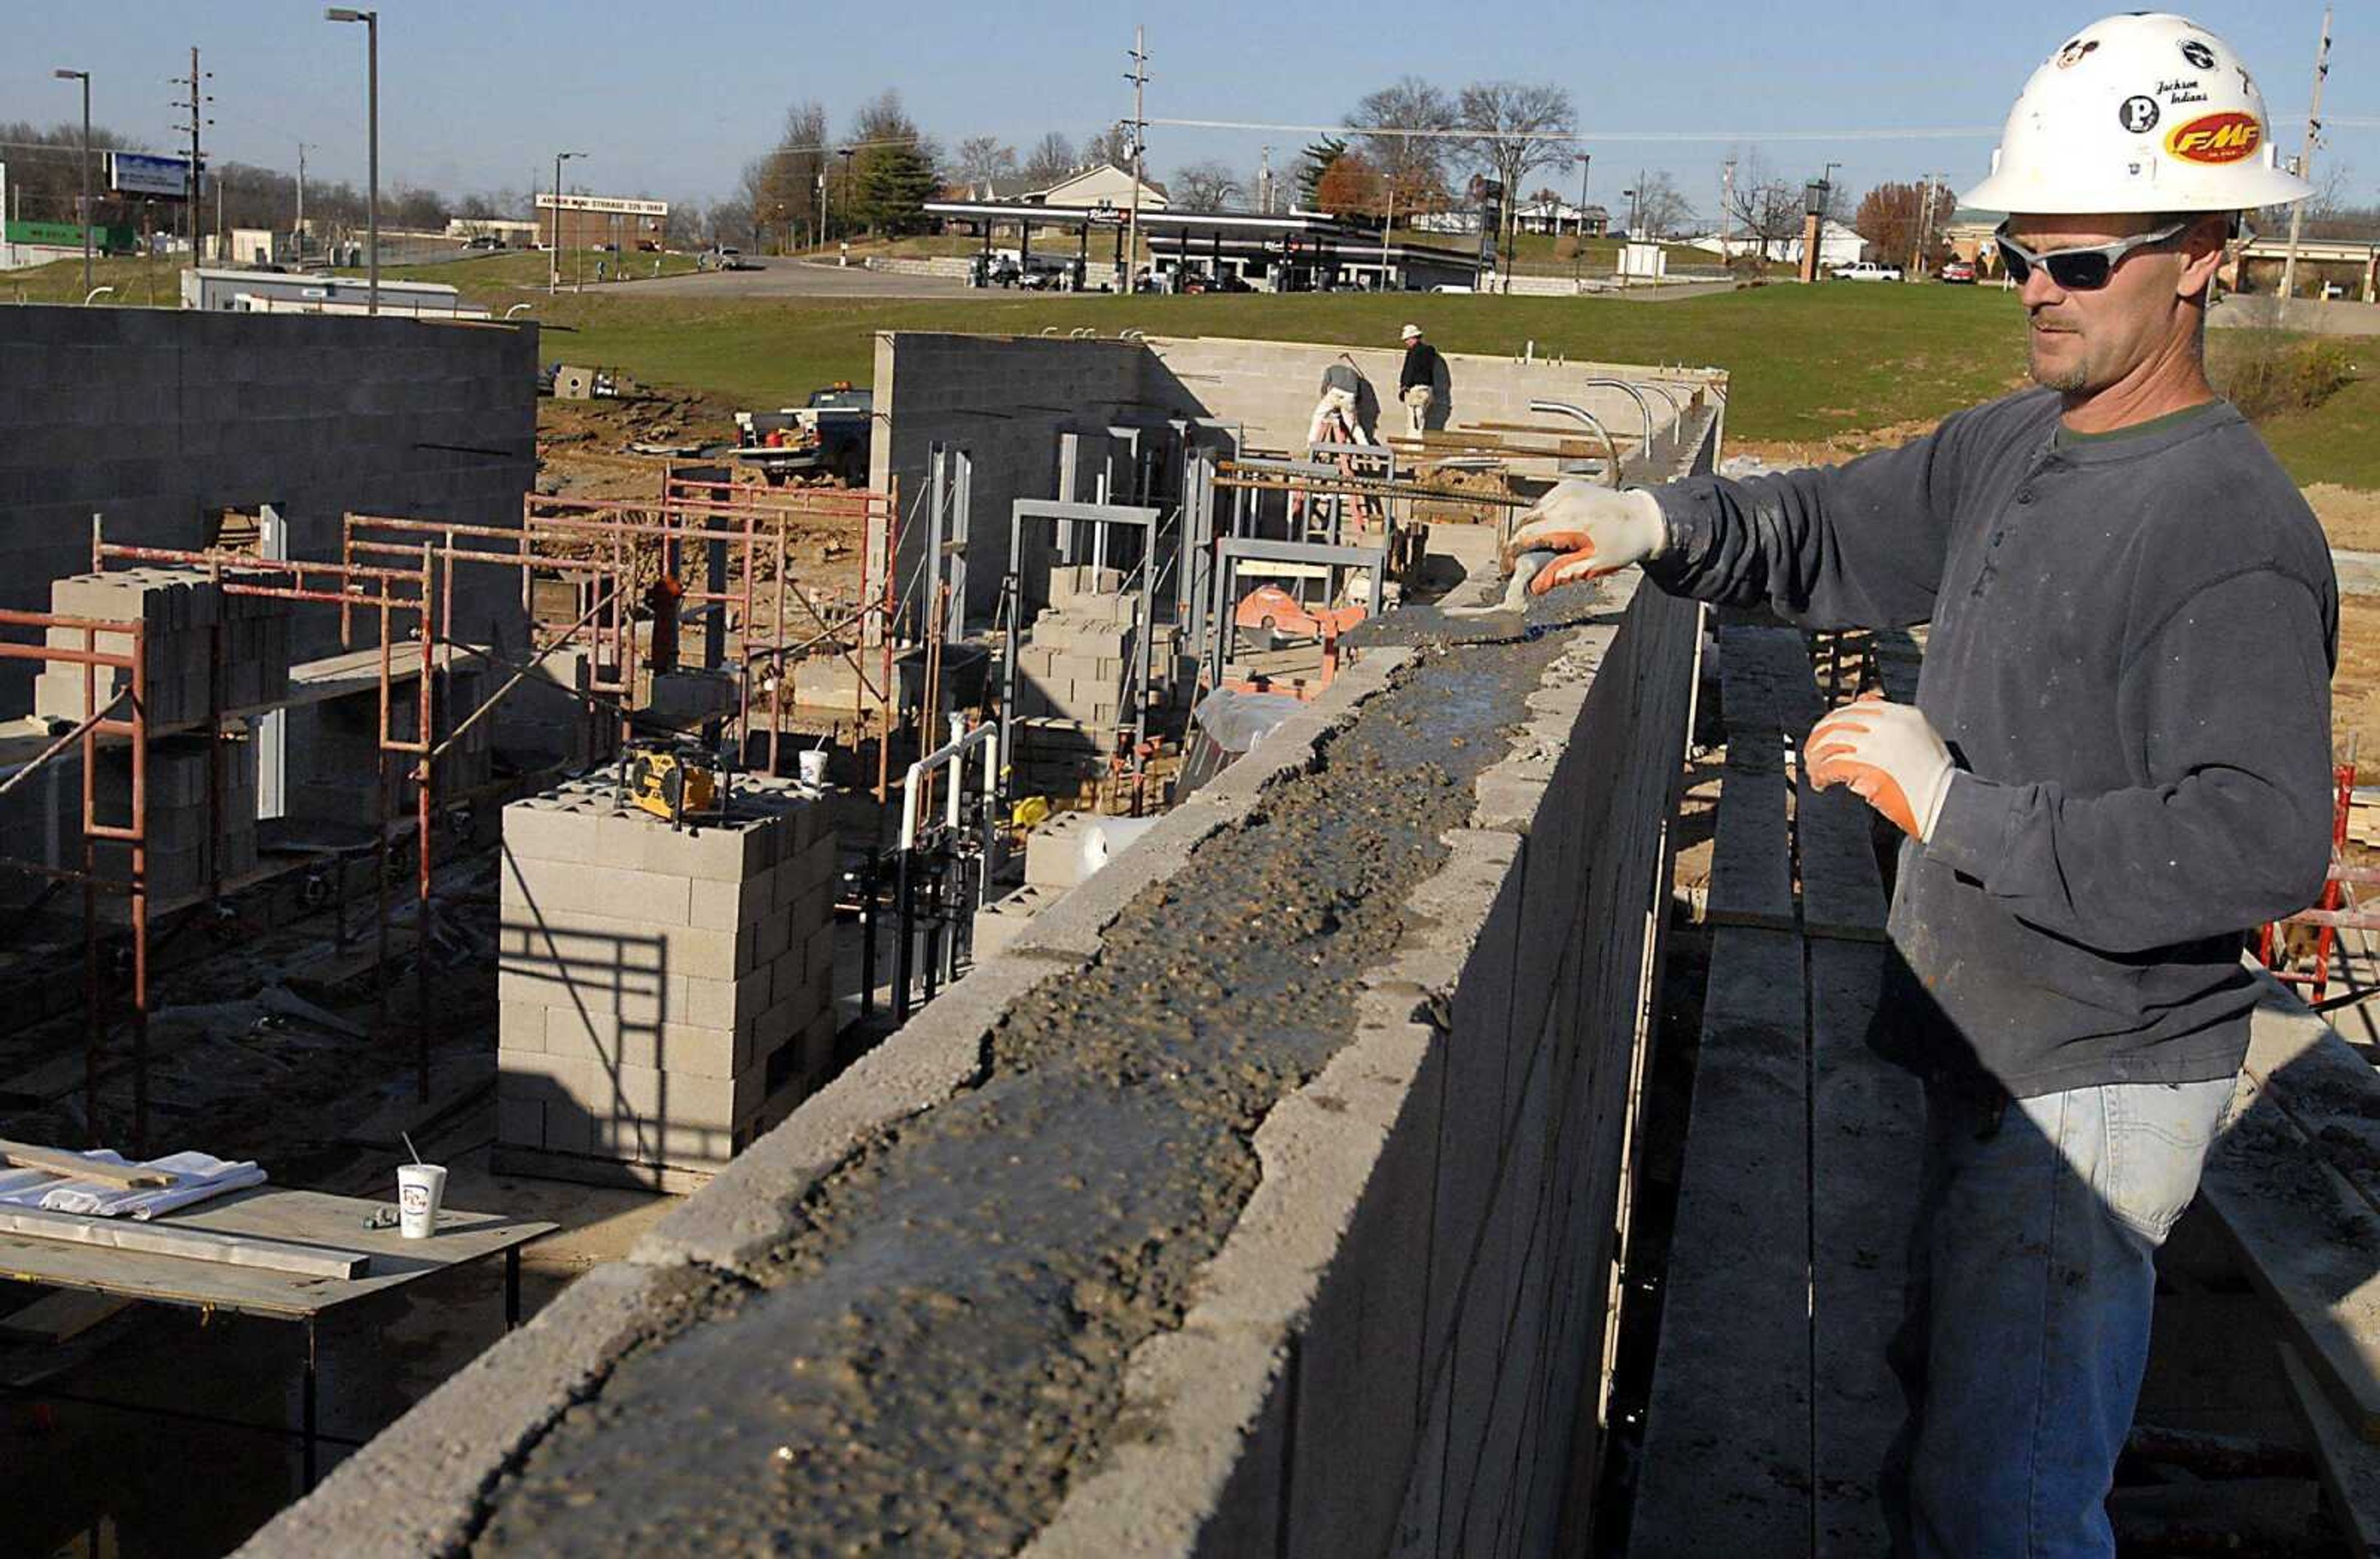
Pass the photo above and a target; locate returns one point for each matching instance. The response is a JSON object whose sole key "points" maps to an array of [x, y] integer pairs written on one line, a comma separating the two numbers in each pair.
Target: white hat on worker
{"points": [[2145, 113], [1409, 332]]}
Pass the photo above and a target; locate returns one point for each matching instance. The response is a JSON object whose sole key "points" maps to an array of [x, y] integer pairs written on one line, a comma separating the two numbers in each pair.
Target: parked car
{"points": [[1958, 271], [1867, 271]]}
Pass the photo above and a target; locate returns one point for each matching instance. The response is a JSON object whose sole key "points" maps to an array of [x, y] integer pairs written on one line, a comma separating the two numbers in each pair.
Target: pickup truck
{"points": [[1867, 271], [830, 436]]}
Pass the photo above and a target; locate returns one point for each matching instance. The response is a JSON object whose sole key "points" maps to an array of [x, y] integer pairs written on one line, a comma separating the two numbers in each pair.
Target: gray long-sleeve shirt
{"points": [[2130, 660]]}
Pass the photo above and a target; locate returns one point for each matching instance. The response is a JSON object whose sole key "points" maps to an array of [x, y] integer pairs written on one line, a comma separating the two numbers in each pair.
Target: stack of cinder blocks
{"points": [[182, 611], [335, 751], [667, 996], [191, 841], [1072, 674]]}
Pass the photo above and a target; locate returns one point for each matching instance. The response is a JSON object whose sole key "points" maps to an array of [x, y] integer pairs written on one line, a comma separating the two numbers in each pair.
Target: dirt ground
{"points": [[583, 452]]}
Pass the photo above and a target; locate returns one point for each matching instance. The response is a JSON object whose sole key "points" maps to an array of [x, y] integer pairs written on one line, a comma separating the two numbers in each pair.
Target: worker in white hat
{"points": [[1417, 381], [2118, 760]]}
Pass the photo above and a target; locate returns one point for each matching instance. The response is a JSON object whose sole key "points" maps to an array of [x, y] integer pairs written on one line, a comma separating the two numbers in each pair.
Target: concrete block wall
{"points": [[666, 995], [336, 757], [1397, 1347], [152, 416], [1006, 399], [1271, 387]]}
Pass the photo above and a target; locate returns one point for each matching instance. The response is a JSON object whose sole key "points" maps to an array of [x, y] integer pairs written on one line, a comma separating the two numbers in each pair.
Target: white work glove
{"points": [[1598, 530], [1889, 755]]}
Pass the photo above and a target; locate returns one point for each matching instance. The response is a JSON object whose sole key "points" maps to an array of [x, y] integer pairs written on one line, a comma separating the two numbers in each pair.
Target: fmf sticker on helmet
{"points": [[2138, 115], [2198, 54], [2216, 138], [2072, 55]]}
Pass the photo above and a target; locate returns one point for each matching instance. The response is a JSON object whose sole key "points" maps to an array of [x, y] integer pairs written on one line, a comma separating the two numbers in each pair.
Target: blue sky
{"points": [[669, 99]]}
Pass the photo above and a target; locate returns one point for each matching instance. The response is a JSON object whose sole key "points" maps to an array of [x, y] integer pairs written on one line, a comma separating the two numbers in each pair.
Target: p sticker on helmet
{"points": [[2215, 139]]}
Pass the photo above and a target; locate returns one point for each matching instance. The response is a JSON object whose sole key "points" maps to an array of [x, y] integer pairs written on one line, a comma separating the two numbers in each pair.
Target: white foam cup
{"points": [[812, 763], [419, 1188]]}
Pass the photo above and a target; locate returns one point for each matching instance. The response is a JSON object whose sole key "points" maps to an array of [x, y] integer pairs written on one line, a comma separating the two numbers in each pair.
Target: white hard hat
{"points": [[2148, 112], [1409, 332]]}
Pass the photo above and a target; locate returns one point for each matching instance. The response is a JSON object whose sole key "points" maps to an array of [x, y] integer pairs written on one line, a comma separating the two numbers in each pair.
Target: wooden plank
{"points": [[59, 1317], [1558, 429], [2309, 1243], [1867, 1141], [2349, 1469], [163, 1238], [74, 1166], [269, 1212], [1727, 1432]]}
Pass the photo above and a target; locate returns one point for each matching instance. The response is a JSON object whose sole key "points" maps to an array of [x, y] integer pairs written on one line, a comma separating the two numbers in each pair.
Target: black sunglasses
{"points": [[2079, 269]]}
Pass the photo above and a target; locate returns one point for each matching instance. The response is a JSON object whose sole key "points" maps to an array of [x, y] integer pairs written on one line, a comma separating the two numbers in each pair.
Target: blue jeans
{"points": [[2031, 1278]]}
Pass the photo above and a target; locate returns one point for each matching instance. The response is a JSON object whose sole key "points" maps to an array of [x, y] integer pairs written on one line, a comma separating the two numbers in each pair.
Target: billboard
{"points": [[137, 173]]}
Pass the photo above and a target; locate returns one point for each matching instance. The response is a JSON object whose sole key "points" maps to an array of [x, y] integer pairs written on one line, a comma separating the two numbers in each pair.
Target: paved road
{"points": [[778, 277]]}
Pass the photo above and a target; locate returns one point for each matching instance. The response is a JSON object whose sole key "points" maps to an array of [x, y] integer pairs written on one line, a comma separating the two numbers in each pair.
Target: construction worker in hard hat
{"points": [[2118, 759], [1417, 379]]}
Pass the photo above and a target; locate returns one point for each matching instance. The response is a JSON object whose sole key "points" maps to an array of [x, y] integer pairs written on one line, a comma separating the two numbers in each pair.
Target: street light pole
{"points": [[372, 115], [553, 245], [84, 76]]}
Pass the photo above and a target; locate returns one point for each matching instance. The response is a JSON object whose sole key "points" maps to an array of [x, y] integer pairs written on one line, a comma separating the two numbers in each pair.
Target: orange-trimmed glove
{"points": [[1596, 530], [1889, 755]]}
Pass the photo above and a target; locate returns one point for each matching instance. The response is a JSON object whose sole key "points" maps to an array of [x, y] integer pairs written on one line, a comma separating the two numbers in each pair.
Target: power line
{"points": [[1966, 133], [1933, 132]]}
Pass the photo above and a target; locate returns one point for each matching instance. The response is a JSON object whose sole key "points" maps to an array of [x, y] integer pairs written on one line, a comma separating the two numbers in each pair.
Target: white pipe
{"points": [[986, 732]]}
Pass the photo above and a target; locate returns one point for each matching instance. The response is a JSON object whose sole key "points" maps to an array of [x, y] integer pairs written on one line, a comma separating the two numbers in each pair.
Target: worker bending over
{"points": [[2119, 759], [1335, 418]]}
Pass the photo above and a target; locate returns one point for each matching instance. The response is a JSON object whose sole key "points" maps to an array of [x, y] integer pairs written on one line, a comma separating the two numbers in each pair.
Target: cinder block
{"points": [[520, 1123], [722, 1004]]}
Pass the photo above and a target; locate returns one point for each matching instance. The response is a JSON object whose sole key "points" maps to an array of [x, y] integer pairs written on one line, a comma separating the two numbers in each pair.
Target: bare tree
{"points": [[1413, 167], [780, 186], [1517, 127], [1766, 206], [1661, 210], [983, 158], [1051, 159], [1111, 145], [1206, 186]]}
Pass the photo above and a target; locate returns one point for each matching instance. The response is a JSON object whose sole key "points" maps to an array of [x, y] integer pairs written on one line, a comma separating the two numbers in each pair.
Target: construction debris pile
{"points": [[667, 993]]}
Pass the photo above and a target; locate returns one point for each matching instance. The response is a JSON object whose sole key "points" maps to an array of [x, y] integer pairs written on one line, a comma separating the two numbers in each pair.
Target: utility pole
{"points": [[1924, 227], [2305, 160], [554, 248], [1264, 181], [84, 210], [300, 231], [1726, 207], [1578, 253], [1138, 77], [195, 107]]}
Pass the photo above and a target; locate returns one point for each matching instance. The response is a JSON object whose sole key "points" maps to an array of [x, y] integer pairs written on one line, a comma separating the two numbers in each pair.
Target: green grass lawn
{"points": [[137, 282], [502, 276], [2338, 442], [1806, 361]]}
